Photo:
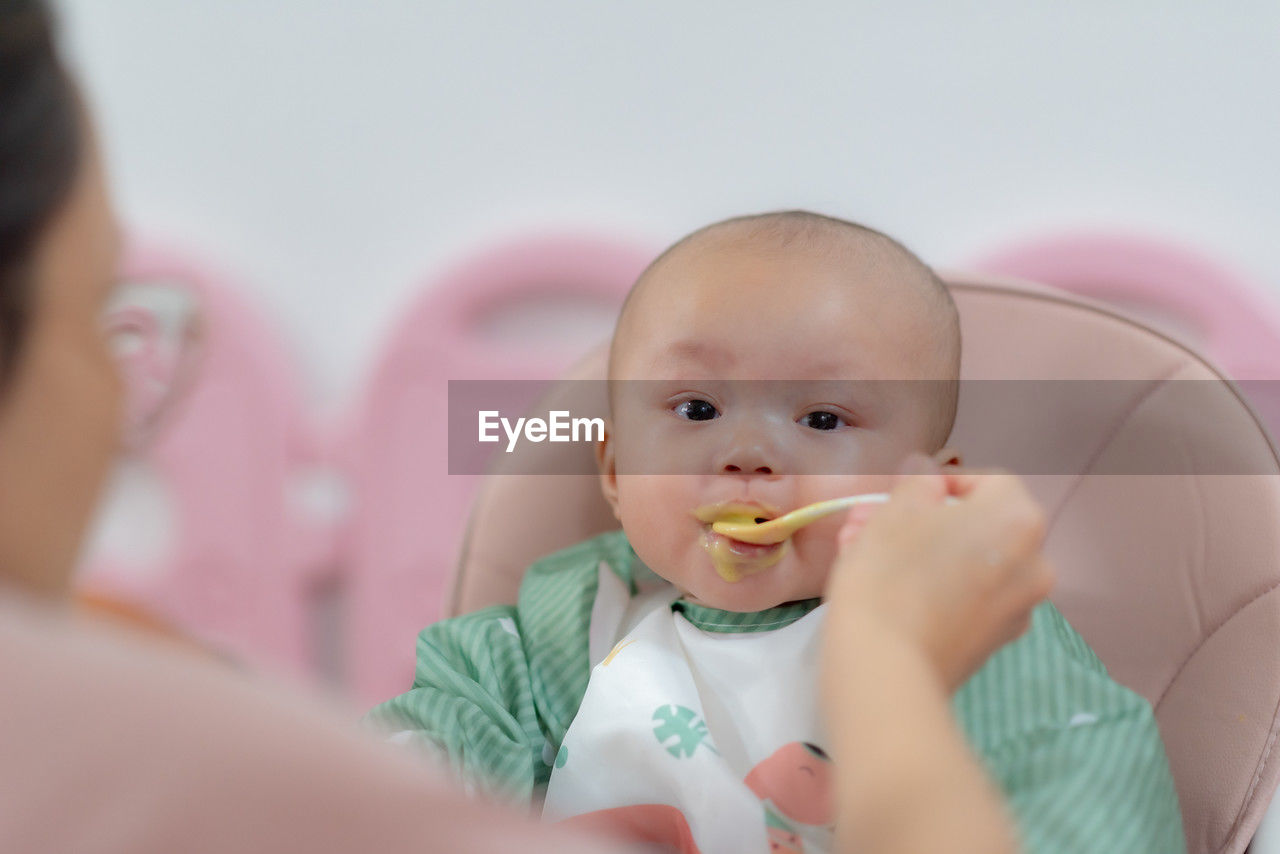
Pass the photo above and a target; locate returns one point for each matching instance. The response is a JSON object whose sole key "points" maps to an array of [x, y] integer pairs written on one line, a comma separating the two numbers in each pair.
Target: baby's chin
{"points": [[691, 570], [752, 593]]}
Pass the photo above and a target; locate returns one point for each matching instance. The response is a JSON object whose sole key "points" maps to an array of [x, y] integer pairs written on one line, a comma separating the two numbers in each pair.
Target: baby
{"points": [[661, 681], [754, 354]]}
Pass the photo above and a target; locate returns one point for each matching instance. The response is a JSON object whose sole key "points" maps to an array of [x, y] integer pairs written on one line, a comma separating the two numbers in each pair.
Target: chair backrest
{"points": [[1204, 303], [1164, 498]]}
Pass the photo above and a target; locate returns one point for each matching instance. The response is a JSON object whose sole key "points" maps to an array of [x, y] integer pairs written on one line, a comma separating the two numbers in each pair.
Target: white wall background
{"points": [[330, 153]]}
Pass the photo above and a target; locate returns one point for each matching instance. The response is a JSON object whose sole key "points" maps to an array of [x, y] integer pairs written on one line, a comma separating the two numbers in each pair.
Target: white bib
{"points": [[717, 731]]}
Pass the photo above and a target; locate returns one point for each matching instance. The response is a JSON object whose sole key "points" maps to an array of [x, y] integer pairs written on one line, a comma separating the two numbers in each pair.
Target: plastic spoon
{"points": [[781, 528], [777, 530]]}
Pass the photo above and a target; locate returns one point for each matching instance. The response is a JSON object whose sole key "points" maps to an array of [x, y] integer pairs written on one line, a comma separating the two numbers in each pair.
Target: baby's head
{"points": [[761, 364]]}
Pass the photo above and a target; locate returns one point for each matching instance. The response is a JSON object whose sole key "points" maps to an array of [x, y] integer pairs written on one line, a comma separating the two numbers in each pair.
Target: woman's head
{"points": [[59, 390], [39, 150]]}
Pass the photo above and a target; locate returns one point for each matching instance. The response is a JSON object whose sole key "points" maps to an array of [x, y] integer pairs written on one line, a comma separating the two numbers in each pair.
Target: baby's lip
{"points": [[711, 513], [745, 550]]}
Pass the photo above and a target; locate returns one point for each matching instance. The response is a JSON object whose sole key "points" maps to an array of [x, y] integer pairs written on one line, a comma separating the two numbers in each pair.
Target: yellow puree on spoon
{"points": [[735, 522], [748, 530]]}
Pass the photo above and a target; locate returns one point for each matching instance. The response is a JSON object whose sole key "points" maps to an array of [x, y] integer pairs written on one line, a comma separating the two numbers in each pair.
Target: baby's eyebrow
{"points": [[693, 350]]}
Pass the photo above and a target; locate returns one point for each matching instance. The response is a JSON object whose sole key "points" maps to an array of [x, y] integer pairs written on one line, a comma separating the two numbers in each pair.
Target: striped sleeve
{"points": [[471, 704], [494, 691], [1078, 756]]}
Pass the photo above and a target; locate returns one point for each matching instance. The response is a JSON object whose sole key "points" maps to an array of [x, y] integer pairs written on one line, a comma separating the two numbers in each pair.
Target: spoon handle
{"points": [[810, 513], [802, 516]]}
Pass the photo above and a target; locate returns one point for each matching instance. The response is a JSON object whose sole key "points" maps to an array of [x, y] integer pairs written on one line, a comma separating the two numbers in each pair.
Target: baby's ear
{"points": [[948, 457], [608, 468]]}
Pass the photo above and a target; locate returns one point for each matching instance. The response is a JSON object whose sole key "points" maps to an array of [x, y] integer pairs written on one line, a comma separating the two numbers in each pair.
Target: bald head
{"points": [[887, 277]]}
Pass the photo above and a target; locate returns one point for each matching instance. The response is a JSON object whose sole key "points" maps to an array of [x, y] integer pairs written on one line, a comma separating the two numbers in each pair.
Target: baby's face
{"points": [[760, 381]]}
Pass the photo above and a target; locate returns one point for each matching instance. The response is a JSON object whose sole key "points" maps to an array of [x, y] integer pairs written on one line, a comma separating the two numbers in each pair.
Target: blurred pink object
{"points": [[215, 416], [111, 745], [157, 363], [399, 546]]}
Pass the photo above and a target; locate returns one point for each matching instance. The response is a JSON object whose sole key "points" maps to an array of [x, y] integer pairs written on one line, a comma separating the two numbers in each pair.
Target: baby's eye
{"points": [[822, 420], [696, 410]]}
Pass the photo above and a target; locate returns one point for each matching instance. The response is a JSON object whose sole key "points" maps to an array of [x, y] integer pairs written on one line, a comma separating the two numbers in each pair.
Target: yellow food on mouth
{"points": [[722, 560], [728, 565], [736, 518]]}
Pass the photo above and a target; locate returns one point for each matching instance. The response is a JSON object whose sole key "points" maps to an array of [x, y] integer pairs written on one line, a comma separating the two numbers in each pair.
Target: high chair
{"points": [[1163, 495]]}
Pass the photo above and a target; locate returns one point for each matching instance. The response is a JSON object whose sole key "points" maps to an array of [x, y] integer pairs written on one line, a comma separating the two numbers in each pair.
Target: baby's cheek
{"points": [[816, 547], [651, 503], [662, 534]]}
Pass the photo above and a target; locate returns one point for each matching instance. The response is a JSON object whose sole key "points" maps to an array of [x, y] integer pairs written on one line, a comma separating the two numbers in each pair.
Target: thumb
{"points": [[920, 481], [857, 519]]}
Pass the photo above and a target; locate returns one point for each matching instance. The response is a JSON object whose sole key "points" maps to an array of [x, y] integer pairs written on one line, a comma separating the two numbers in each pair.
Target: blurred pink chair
{"points": [[399, 545], [1171, 577], [217, 426]]}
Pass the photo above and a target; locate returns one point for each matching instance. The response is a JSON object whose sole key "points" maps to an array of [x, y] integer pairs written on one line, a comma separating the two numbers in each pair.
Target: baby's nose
{"points": [[760, 469], [750, 457]]}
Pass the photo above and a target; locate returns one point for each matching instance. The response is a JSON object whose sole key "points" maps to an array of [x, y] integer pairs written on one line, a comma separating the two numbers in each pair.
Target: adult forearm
{"points": [[906, 779]]}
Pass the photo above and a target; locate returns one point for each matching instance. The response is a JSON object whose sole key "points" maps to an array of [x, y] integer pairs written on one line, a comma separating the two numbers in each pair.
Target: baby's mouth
{"points": [[744, 549], [733, 559]]}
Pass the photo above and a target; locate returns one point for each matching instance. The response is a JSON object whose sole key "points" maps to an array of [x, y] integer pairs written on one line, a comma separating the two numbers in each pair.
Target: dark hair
{"points": [[39, 153]]}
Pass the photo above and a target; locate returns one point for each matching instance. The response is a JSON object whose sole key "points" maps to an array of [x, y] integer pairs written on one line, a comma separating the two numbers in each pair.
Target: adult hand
{"points": [[954, 580]]}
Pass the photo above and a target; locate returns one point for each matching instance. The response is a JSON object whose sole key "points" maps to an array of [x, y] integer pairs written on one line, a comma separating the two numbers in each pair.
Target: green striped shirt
{"points": [[1077, 755]]}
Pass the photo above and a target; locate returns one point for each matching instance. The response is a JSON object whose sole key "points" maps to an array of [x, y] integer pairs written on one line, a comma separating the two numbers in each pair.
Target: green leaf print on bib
{"points": [[680, 730]]}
